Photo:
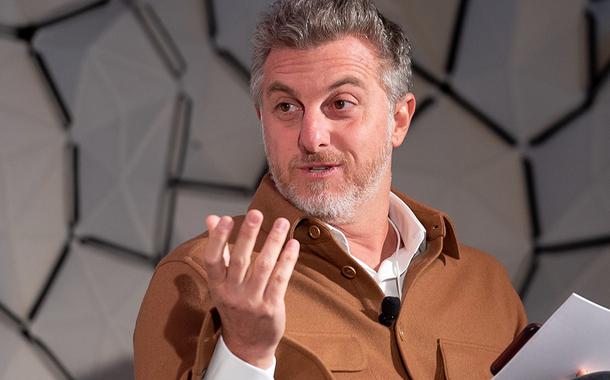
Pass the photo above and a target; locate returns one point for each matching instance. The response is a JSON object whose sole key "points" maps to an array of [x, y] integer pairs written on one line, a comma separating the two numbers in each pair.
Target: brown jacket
{"points": [[459, 309]]}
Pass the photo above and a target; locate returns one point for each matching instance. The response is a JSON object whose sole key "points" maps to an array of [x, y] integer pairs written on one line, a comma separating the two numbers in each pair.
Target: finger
{"points": [[278, 282], [219, 230], [212, 222], [267, 260], [581, 372], [242, 250]]}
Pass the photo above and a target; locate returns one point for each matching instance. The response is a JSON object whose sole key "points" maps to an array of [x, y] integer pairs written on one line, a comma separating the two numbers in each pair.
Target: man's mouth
{"points": [[319, 168]]}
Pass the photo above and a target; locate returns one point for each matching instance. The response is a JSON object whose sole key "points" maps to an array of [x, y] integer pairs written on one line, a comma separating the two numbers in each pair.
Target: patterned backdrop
{"points": [[124, 123]]}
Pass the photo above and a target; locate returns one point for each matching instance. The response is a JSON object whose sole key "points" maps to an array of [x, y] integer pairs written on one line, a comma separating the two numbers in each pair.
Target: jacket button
{"points": [[314, 232], [348, 272]]}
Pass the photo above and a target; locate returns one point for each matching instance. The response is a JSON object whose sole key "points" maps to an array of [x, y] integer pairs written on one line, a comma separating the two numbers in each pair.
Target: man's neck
{"points": [[370, 236]]}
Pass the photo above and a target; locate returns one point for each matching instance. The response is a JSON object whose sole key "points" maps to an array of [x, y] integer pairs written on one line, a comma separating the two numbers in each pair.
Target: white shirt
{"points": [[390, 277]]}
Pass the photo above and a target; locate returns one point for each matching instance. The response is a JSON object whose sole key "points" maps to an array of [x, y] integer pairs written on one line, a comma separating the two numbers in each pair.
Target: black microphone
{"points": [[390, 306]]}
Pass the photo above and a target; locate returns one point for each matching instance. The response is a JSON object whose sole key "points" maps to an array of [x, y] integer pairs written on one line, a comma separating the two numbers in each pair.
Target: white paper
{"points": [[576, 336]]}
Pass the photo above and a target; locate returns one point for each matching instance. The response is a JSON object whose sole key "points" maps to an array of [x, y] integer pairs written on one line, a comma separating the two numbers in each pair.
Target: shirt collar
{"points": [[411, 233]]}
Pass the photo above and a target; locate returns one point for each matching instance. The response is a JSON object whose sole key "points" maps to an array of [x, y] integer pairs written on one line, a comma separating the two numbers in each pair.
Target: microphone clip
{"points": [[390, 306]]}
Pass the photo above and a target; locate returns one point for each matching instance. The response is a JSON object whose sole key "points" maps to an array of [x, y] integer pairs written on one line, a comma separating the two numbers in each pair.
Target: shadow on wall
{"points": [[119, 370]]}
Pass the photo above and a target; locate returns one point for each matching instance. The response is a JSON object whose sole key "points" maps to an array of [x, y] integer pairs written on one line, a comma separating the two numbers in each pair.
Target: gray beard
{"points": [[338, 207]]}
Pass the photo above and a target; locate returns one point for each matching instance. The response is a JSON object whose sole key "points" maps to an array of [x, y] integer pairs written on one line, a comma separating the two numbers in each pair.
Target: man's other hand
{"points": [[583, 374], [249, 295]]}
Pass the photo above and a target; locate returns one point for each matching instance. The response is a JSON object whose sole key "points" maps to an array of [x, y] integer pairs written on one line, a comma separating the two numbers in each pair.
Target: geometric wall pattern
{"points": [[124, 122]]}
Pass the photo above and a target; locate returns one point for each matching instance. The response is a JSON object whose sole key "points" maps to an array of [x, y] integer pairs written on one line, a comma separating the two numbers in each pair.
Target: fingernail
{"points": [[293, 244], [281, 224], [225, 222], [253, 217]]}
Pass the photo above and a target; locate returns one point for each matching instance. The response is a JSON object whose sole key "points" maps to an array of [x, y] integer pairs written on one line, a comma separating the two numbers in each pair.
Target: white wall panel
{"points": [[122, 100], [21, 360], [34, 183], [102, 292], [225, 144], [429, 25], [514, 54], [21, 12], [572, 170], [583, 271]]}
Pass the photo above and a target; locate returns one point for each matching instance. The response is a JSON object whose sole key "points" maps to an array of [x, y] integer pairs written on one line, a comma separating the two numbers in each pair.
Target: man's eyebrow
{"points": [[280, 87], [347, 80]]}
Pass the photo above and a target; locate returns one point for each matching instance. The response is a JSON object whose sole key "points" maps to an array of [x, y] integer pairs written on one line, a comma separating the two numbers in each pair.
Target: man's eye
{"points": [[342, 104], [285, 107]]}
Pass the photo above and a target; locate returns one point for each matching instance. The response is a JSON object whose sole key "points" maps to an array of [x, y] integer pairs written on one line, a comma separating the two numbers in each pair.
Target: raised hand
{"points": [[249, 295]]}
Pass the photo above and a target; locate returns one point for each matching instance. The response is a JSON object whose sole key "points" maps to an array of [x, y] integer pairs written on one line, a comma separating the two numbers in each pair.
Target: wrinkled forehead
{"points": [[350, 57]]}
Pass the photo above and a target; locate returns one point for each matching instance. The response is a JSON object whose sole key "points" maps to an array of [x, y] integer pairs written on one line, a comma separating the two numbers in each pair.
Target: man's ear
{"points": [[403, 114], [257, 108]]}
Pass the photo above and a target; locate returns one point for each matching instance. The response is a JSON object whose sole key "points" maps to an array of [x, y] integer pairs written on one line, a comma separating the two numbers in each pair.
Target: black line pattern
{"points": [[50, 280], [456, 36], [55, 93], [14, 318], [161, 39], [447, 89]]}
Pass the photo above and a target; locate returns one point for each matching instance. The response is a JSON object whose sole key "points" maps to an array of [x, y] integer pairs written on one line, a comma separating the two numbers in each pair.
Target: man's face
{"points": [[327, 126]]}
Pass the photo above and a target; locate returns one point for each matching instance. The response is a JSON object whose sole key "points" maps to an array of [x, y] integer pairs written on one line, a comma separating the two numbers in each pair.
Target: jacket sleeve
{"points": [[176, 330], [521, 314], [513, 298]]}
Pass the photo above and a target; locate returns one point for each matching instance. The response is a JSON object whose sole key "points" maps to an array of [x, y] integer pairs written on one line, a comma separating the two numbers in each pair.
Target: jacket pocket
{"points": [[338, 352], [462, 360], [320, 356]]}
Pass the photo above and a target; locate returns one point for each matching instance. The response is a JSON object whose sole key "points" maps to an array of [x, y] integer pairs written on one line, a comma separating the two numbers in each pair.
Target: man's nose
{"points": [[315, 132]]}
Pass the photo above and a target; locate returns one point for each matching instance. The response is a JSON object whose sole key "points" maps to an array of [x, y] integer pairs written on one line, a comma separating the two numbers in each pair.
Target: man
{"points": [[293, 290]]}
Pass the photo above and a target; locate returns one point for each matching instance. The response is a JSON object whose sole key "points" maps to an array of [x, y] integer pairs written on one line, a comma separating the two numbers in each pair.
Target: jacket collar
{"points": [[436, 223], [273, 205]]}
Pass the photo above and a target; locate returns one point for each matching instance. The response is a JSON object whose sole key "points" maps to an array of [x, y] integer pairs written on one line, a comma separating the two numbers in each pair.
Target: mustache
{"points": [[321, 157]]}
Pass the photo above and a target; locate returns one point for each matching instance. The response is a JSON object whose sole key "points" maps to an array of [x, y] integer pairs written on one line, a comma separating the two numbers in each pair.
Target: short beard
{"points": [[339, 207]]}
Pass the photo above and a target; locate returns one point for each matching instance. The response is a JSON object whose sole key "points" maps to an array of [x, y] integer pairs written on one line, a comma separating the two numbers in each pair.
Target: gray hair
{"points": [[303, 24]]}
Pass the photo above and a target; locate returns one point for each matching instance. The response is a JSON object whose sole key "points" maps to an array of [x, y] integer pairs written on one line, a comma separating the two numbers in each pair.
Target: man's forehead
{"points": [[358, 46], [345, 61]]}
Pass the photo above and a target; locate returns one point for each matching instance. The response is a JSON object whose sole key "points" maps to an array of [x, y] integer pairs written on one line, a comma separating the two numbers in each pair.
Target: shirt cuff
{"points": [[225, 365]]}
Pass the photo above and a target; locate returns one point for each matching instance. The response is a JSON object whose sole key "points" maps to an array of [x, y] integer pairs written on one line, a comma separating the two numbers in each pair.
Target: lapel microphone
{"points": [[390, 306]]}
